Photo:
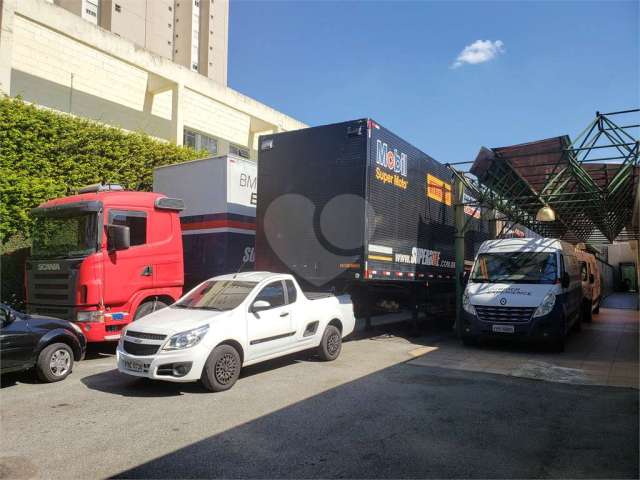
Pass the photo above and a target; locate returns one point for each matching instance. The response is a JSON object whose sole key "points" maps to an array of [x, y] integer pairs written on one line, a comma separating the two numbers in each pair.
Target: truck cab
{"points": [[105, 257]]}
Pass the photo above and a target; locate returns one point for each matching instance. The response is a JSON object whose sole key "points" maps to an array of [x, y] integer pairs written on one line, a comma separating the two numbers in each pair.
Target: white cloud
{"points": [[479, 51]]}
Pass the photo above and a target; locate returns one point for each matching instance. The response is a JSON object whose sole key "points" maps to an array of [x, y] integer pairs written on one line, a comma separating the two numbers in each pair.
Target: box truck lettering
{"points": [[391, 160], [394, 180], [249, 255], [438, 190]]}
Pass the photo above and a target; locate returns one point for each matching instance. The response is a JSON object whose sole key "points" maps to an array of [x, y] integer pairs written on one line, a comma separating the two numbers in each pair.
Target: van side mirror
{"points": [[260, 305], [592, 279], [465, 278], [566, 280], [118, 237]]}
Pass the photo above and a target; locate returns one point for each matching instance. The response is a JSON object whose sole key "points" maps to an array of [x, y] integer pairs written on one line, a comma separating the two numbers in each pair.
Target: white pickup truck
{"points": [[232, 321]]}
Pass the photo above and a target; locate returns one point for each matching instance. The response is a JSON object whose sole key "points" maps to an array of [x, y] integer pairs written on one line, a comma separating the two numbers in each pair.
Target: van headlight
{"points": [[466, 304], [186, 339], [546, 306]]}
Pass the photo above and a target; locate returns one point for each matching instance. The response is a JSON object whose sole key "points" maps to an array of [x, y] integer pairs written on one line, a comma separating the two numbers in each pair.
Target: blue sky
{"points": [[324, 61]]}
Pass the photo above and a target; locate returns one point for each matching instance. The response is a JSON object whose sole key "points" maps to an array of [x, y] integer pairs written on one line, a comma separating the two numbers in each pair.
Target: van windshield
{"points": [[515, 267], [216, 295]]}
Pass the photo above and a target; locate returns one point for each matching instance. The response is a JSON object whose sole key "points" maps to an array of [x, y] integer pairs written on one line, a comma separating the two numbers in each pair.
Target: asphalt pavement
{"points": [[373, 413]]}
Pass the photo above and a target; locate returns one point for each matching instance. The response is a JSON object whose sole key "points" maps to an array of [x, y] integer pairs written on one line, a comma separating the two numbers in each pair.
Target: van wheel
{"points": [[331, 344], [222, 369], [55, 362], [148, 307]]}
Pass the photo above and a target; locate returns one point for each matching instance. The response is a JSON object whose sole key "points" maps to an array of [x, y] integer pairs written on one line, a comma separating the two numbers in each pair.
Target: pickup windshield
{"points": [[216, 295], [65, 236], [515, 267]]}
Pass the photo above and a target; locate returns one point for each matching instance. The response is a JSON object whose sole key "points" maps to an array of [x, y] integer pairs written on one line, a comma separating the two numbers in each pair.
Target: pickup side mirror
{"points": [[118, 237], [592, 279], [566, 280], [260, 305]]}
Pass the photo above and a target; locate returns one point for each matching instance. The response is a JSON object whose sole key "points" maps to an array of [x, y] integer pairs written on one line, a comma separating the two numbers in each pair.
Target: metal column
{"points": [[459, 225]]}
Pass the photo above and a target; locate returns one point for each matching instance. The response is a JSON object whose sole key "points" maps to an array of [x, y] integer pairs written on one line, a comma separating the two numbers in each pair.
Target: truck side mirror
{"points": [[566, 280], [260, 305], [118, 237], [592, 279]]}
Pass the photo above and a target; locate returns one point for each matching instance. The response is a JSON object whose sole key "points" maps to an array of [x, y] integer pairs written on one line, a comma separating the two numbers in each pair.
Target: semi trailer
{"points": [[352, 207], [107, 256]]}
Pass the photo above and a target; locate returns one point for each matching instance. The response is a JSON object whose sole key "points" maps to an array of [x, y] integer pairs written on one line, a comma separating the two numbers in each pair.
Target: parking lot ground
{"points": [[384, 409]]}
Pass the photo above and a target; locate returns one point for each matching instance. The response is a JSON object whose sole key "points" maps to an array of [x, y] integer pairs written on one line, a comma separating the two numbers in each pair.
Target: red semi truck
{"points": [[107, 256]]}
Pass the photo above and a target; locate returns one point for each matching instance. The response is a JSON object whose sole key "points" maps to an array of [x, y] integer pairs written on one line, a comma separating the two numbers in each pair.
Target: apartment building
{"points": [[192, 33], [60, 58]]}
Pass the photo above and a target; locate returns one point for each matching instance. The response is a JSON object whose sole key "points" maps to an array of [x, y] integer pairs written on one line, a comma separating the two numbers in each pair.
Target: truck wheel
{"points": [[148, 307], [331, 344], [222, 369], [55, 362]]}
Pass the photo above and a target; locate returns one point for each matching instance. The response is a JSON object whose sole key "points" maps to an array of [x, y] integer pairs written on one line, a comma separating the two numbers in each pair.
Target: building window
{"points": [[118, 8], [199, 141], [239, 151]]}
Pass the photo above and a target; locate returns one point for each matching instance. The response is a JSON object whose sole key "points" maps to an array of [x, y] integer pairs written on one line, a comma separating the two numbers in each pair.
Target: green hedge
{"points": [[46, 154]]}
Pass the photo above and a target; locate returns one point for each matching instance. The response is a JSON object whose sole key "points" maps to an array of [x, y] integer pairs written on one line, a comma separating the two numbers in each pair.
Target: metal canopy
{"points": [[590, 183]]}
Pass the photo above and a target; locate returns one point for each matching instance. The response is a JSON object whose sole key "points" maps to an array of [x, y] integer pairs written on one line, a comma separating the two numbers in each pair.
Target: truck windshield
{"points": [[515, 267], [217, 295], [65, 236]]}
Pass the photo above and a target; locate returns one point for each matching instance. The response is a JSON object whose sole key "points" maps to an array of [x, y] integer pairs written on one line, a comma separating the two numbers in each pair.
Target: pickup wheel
{"points": [[331, 344], [222, 369], [148, 307], [55, 362]]}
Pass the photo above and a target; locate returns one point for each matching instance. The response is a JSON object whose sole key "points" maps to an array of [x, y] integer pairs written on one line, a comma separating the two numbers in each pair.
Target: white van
{"points": [[523, 287]]}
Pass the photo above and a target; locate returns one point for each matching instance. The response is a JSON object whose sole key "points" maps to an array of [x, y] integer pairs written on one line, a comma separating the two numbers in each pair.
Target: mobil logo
{"points": [[391, 159]]}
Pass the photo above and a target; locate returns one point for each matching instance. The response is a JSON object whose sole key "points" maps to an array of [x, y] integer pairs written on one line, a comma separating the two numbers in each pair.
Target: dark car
{"points": [[49, 344]]}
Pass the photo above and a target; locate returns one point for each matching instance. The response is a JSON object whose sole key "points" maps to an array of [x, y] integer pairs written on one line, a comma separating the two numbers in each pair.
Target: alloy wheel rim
{"points": [[60, 362], [333, 343], [225, 368]]}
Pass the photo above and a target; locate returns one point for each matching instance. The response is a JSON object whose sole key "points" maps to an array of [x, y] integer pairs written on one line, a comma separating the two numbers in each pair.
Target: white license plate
{"points": [[133, 365], [503, 328]]}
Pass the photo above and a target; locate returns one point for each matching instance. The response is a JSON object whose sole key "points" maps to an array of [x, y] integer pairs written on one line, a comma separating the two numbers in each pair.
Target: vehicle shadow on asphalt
{"points": [[409, 421], [14, 378]]}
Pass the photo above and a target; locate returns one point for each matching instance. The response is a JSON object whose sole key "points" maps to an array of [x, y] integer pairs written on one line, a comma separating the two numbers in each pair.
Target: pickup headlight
{"points": [[186, 339], [90, 316], [546, 306], [466, 304]]}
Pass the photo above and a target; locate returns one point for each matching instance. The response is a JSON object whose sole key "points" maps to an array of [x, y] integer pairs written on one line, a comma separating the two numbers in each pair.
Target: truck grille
{"points": [[57, 312], [139, 348], [146, 336], [504, 314]]}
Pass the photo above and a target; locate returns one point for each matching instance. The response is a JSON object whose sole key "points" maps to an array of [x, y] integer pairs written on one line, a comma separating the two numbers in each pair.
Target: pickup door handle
{"points": [[284, 314]]}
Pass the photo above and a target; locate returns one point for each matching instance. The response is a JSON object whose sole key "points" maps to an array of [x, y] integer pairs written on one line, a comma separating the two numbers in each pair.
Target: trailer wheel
{"points": [[222, 369], [331, 344], [148, 307], [586, 311]]}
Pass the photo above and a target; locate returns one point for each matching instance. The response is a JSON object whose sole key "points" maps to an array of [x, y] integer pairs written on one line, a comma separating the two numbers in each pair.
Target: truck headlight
{"points": [[186, 339], [546, 306], [90, 316], [466, 304]]}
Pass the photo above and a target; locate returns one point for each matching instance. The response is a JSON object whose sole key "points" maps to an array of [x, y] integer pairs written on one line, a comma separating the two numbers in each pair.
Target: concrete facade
{"points": [[192, 33], [54, 58]]}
